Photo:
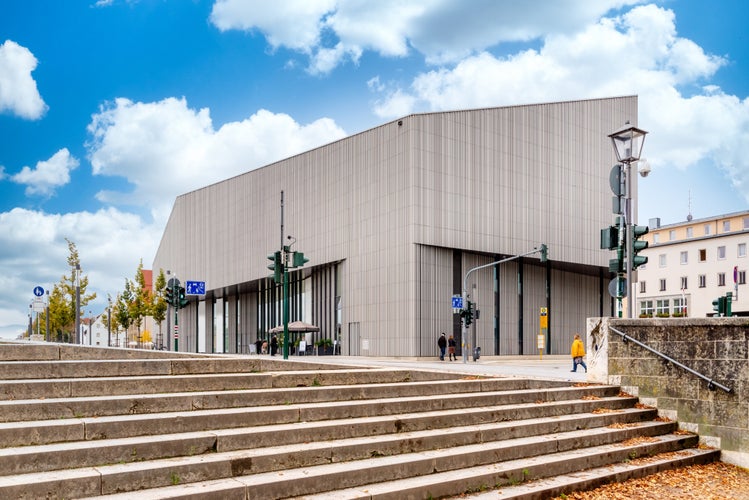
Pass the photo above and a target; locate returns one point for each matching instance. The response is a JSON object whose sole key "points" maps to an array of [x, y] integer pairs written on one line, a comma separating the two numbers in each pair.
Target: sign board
{"points": [[541, 341], [544, 318], [39, 291], [195, 288], [38, 305], [618, 286], [457, 302]]}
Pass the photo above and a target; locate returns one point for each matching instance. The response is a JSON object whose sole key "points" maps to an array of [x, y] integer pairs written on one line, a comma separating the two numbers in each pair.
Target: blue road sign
{"points": [[457, 302], [38, 291], [195, 288]]}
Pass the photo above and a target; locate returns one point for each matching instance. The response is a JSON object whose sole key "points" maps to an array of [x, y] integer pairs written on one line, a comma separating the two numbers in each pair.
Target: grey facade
{"points": [[393, 217]]}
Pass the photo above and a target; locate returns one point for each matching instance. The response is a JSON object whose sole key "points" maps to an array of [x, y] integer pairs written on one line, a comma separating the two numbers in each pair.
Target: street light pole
{"points": [[77, 303], [627, 143], [464, 328], [109, 322]]}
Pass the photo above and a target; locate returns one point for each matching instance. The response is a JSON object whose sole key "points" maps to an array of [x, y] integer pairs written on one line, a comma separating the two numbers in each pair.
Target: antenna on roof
{"points": [[689, 205]]}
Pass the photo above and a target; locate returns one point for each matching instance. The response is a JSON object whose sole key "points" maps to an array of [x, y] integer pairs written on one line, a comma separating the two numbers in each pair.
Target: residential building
{"points": [[393, 219], [692, 263]]}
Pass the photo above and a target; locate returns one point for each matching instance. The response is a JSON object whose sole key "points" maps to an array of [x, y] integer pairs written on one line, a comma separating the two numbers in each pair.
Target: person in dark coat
{"points": [[442, 344], [451, 344]]}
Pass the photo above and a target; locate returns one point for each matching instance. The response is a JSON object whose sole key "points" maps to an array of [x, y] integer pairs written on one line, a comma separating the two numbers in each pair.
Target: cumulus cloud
{"points": [[18, 92], [166, 148], [35, 253], [333, 31], [48, 174]]}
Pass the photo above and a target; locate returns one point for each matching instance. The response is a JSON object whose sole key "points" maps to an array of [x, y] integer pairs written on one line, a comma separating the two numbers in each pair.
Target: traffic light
{"points": [[719, 306], [182, 298], [169, 295], [544, 252], [609, 238], [468, 313], [276, 266], [638, 246], [298, 260], [727, 306]]}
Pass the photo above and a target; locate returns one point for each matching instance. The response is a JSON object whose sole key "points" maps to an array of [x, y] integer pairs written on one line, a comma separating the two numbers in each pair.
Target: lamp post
{"points": [[77, 303], [627, 143], [109, 321]]}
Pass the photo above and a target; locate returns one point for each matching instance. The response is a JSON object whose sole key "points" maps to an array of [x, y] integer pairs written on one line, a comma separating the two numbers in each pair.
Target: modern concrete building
{"points": [[393, 218], [692, 263]]}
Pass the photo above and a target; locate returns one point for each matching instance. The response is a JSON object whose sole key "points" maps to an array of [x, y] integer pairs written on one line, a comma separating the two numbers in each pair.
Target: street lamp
{"points": [[109, 322], [627, 143], [77, 278]]}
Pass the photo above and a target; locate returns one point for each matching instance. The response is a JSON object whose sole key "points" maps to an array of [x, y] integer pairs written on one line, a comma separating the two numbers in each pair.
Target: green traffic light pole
{"points": [[175, 305], [285, 312], [464, 327]]}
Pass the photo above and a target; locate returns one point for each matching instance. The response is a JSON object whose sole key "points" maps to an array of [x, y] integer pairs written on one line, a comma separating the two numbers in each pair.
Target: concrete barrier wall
{"points": [[718, 348]]}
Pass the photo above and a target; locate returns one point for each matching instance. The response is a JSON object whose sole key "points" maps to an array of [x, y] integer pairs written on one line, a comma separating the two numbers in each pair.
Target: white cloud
{"points": [[295, 24], [165, 148], [443, 31], [18, 92], [35, 254], [48, 174]]}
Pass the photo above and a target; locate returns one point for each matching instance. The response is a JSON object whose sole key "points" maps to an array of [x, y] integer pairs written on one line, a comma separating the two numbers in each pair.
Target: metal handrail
{"points": [[711, 384]]}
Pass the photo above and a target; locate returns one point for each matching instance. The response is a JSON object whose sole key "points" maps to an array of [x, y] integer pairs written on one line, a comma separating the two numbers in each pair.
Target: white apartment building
{"points": [[692, 263]]}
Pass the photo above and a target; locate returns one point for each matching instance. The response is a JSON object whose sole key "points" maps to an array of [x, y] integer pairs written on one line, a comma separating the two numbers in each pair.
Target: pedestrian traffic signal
{"points": [[544, 252], [276, 266], [638, 245], [182, 298], [298, 260]]}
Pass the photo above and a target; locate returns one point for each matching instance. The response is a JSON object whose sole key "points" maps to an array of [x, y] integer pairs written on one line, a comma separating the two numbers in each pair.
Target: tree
{"points": [[159, 305], [121, 313], [62, 300], [140, 306]]}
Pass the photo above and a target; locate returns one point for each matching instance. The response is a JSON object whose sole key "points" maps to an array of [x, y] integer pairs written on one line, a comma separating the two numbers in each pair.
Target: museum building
{"points": [[393, 218]]}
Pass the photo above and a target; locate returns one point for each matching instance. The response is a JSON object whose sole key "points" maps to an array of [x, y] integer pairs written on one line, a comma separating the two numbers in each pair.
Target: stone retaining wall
{"points": [[715, 347]]}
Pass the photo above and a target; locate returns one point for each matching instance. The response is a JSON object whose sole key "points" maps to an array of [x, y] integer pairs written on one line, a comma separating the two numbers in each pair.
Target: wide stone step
{"points": [[27, 459], [510, 480], [432, 474], [396, 415], [297, 469], [82, 368], [450, 394], [593, 478], [156, 384]]}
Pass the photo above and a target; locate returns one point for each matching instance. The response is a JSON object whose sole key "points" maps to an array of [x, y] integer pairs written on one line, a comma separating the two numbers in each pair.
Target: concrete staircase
{"points": [[80, 422]]}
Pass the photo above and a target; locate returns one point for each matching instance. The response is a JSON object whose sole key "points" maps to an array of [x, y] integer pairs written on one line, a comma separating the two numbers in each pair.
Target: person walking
{"points": [[578, 354], [451, 344], [442, 344]]}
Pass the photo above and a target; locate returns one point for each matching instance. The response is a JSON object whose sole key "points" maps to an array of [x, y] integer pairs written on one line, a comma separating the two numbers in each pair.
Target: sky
{"points": [[110, 109]]}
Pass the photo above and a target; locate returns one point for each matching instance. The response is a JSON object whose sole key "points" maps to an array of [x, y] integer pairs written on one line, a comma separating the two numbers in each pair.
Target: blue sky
{"points": [[110, 109]]}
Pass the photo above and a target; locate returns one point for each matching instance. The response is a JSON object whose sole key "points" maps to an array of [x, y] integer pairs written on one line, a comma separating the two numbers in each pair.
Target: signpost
{"points": [[543, 320], [195, 287]]}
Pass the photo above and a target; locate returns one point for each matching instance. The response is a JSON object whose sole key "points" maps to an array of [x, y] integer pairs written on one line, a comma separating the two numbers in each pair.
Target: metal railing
{"points": [[711, 384]]}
